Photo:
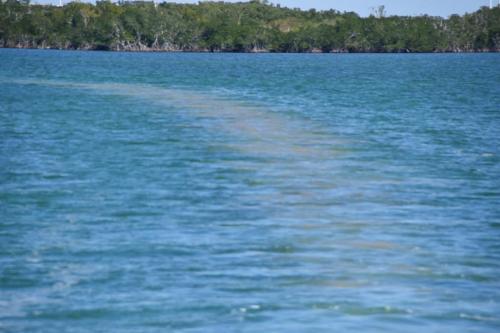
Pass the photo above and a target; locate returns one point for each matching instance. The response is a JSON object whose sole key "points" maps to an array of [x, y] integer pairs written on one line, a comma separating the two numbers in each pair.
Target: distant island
{"points": [[255, 26]]}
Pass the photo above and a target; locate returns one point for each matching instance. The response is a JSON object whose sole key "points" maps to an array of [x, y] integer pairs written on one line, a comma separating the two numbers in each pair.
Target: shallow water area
{"points": [[212, 192]]}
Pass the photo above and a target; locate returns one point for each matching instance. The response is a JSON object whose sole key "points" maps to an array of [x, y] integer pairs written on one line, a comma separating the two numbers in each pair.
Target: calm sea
{"points": [[144, 192]]}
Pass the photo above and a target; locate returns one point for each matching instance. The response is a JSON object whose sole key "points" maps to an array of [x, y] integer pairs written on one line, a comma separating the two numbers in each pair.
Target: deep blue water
{"points": [[144, 192]]}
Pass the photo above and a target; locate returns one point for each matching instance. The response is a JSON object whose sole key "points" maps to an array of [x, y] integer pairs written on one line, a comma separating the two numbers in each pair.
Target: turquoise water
{"points": [[145, 192]]}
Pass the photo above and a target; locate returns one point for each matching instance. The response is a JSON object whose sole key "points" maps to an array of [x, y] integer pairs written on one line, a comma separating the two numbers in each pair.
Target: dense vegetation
{"points": [[240, 27]]}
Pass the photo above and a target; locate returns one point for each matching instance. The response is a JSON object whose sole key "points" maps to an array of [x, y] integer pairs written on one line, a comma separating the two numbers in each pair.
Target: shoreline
{"points": [[157, 50]]}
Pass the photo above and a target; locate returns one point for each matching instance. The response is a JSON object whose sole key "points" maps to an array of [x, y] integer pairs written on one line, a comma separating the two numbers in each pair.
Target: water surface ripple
{"points": [[249, 193]]}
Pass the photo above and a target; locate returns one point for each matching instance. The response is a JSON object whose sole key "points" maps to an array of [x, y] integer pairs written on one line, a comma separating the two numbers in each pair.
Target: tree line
{"points": [[254, 26]]}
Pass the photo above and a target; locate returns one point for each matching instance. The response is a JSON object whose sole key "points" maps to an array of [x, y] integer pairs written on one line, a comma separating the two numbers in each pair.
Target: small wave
{"points": [[475, 317]]}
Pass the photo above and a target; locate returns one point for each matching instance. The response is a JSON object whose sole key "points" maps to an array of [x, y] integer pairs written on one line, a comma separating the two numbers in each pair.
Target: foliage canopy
{"points": [[238, 27]]}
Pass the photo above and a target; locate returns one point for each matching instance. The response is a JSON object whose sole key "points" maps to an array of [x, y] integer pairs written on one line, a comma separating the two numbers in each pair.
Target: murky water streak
{"points": [[270, 133], [301, 152], [300, 158]]}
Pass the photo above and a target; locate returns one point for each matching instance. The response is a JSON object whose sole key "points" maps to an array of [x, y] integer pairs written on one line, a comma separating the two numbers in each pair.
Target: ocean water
{"points": [[144, 192]]}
